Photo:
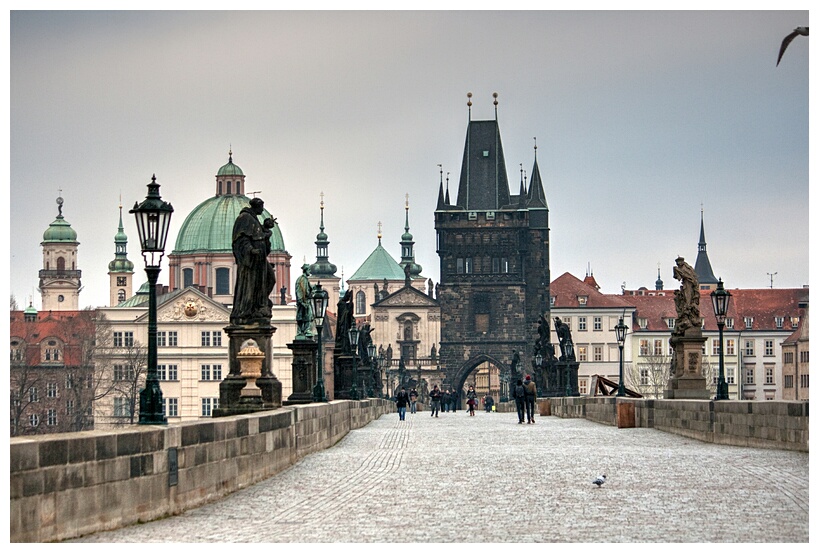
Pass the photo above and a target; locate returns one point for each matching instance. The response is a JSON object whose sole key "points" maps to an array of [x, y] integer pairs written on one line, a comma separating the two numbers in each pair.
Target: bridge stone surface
{"points": [[488, 479]]}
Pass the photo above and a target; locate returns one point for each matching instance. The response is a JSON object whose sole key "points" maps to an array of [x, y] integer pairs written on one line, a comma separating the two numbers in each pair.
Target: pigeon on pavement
{"points": [[788, 39], [600, 480]]}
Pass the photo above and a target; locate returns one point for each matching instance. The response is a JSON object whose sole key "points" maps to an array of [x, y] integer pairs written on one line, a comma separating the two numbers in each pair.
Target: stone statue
{"points": [[407, 276], [304, 310], [255, 277], [433, 353], [687, 298], [364, 341], [344, 322], [564, 336], [543, 330], [389, 355], [515, 366]]}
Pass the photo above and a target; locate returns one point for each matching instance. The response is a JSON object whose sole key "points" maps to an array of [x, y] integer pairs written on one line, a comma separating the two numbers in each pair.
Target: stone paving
{"points": [[488, 479]]}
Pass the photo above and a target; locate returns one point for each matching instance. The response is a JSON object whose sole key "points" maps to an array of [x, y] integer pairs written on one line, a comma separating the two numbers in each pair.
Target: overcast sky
{"points": [[642, 119]]}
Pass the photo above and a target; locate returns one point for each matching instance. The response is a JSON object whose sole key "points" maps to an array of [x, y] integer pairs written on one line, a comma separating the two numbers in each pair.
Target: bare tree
{"points": [[650, 375], [128, 370], [14, 306], [27, 386]]}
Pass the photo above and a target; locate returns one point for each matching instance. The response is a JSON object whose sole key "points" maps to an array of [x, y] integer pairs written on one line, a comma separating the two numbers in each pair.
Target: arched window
{"points": [[223, 280], [120, 295], [219, 189], [61, 264], [228, 188], [360, 302], [187, 278]]}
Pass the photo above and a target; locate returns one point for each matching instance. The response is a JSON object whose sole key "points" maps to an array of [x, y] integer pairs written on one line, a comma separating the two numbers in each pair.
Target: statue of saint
{"points": [[304, 310], [344, 322], [687, 298], [564, 335], [255, 278]]}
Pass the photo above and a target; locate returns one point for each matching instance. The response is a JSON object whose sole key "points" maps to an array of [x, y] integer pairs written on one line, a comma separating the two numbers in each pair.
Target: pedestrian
{"points": [[487, 403], [471, 400], [530, 395], [401, 400], [445, 395], [413, 397], [435, 401], [520, 399], [453, 400]]}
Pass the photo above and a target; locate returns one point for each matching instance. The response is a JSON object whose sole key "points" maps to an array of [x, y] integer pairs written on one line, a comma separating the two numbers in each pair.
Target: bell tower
{"points": [[59, 277], [120, 269]]}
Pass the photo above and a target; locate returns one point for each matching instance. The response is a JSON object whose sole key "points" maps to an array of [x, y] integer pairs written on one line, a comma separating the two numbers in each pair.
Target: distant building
{"points": [[796, 360], [60, 276]]}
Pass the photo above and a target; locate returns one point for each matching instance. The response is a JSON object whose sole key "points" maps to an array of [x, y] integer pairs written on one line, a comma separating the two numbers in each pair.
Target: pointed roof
{"points": [[702, 267], [483, 184], [378, 266], [120, 263], [407, 296], [536, 196], [322, 267]]}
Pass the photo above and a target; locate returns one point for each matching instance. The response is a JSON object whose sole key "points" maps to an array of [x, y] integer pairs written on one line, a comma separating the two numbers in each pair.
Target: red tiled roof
{"points": [[69, 327], [567, 288]]}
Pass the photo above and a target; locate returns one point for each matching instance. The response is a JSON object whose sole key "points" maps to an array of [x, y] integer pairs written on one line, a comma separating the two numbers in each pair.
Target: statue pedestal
{"points": [[687, 381], [343, 377], [231, 401], [304, 371]]}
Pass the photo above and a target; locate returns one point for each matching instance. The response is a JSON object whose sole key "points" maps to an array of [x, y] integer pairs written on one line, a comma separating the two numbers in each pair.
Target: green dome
{"points": [[230, 170], [60, 231], [121, 266], [209, 227]]}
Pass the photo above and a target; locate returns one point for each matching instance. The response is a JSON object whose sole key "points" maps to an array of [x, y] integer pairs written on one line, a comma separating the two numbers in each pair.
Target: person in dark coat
{"points": [[519, 394], [401, 401], [413, 397], [471, 400], [445, 399], [488, 402], [530, 393], [435, 401]]}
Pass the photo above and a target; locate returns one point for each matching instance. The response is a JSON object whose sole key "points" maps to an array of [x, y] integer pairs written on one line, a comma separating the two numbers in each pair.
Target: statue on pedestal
{"points": [[687, 298], [564, 336], [304, 310], [255, 277]]}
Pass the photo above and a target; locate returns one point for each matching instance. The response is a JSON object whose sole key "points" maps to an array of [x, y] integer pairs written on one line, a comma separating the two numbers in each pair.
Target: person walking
{"points": [[413, 397], [453, 400], [471, 400], [488, 402], [520, 399], [401, 401], [530, 395], [435, 401], [445, 396]]}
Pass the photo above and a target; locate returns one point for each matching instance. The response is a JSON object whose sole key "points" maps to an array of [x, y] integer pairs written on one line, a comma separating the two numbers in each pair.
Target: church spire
{"points": [[441, 201], [322, 267], [120, 269], [407, 243], [703, 265]]}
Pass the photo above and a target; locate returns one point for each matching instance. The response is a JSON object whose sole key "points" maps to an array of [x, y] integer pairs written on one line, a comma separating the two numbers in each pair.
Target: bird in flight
{"points": [[600, 480], [788, 39]]}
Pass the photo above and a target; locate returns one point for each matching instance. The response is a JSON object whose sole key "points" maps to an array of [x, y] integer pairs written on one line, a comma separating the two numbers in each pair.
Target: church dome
{"points": [[60, 231], [121, 266], [209, 227], [230, 169]]}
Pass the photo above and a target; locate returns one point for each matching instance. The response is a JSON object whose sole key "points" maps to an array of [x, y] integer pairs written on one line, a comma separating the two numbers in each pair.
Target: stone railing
{"points": [[767, 424], [67, 485]]}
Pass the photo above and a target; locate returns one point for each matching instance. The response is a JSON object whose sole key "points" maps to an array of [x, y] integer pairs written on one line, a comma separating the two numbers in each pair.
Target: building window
{"points": [[804, 356], [769, 374], [598, 323], [51, 417], [360, 302], [51, 389], [643, 377], [581, 323], [670, 323], [643, 347], [161, 339], [223, 281], [749, 323], [729, 346], [749, 374], [122, 407], [658, 347], [582, 300], [794, 322], [729, 374], [568, 322], [468, 265], [642, 322], [598, 353], [205, 372], [205, 338], [69, 381], [69, 407], [769, 347], [749, 348], [172, 338], [803, 380], [582, 386], [208, 404], [787, 357], [482, 313], [780, 322], [729, 323], [187, 277], [33, 395], [788, 381], [459, 265], [217, 338], [170, 406], [495, 265], [582, 353], [117, 339], [229, 187], [715, 346], [34, 420], [167, 372], [120, 295], [124, 373]]}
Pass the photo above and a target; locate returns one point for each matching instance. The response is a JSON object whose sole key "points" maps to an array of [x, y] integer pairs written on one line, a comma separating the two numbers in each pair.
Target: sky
{"points": [[644, 122]]}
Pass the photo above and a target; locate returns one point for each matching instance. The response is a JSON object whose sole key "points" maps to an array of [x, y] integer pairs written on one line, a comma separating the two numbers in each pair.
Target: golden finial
{"points": [[406, 201], [322, 199], [495, 96], [379, 231], [469, 101]]}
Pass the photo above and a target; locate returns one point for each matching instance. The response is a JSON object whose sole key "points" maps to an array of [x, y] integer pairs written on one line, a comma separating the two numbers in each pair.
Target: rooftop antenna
{"points": [[772, 275], [255, 192]]}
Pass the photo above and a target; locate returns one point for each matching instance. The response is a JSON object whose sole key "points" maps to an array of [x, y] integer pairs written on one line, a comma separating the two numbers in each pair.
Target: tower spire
{"points": [[705, 274], [407, 243], [322, 268], [441, 202]]}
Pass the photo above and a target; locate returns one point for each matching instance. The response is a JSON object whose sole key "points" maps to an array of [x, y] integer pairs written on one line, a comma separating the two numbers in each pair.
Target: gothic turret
{"points": [[703, 266], [120, 269]]}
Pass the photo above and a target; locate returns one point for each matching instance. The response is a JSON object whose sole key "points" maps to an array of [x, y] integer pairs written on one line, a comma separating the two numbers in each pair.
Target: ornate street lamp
{"points": [[353, 335], [319, 299], [721, 298], [153, 217], [371, 355], [620, 330]]}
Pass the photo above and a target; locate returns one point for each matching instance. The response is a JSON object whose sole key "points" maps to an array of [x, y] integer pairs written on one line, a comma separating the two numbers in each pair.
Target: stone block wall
{"points": [[66, 485]]}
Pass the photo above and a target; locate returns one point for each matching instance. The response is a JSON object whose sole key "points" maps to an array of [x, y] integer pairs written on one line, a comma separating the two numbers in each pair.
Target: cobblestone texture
{"points": [[488, 479]]}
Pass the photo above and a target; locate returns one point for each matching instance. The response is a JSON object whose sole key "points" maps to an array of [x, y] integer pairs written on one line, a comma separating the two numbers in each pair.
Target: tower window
{"points": [[360, 302], [187, 277], [228, 190], [223, 280], [121, 295]]}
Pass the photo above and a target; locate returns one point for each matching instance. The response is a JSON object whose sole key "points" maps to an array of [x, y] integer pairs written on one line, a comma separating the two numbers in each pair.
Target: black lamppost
{"points": [[620, 330], [153, 217], [319, 300], [371, 354], [353, 335], [720, 298]]}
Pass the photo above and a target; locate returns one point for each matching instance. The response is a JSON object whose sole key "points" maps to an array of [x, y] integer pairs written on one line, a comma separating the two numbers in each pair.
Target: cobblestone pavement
{"points": [[488, 479]]}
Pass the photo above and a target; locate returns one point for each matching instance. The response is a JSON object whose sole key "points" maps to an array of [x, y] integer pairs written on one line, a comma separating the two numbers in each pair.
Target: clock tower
{"points": [[59, 277]]}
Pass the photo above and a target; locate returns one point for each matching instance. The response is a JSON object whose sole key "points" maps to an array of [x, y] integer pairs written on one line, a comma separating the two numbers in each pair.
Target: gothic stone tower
{"points": [[494, 254]]}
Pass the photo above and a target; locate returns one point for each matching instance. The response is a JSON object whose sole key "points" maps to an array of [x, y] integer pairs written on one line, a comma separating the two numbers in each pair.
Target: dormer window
{"points": [[552, 300], [670, 322], [582, 300], [642, 322], [749, 323], [729, 322], [779, 322], [794, 322]]}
